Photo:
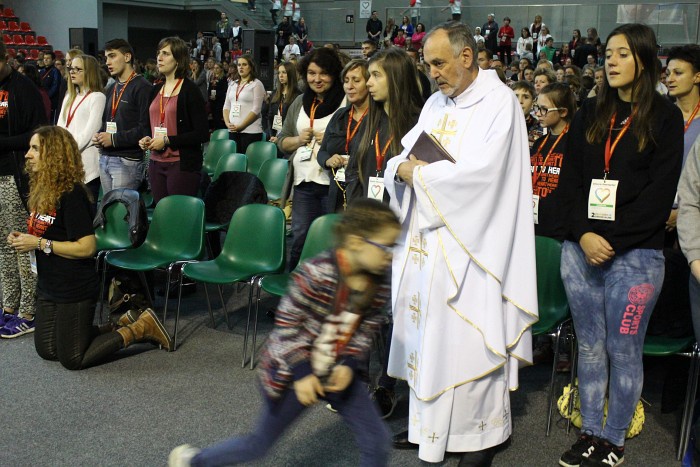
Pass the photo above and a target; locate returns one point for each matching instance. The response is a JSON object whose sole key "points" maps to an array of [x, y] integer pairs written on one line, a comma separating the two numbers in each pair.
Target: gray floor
{"points": [[133, 411]]}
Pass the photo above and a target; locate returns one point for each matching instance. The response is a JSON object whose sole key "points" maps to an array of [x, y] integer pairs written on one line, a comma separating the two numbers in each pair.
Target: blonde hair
{"points": [[58, 169], [92, 81]]}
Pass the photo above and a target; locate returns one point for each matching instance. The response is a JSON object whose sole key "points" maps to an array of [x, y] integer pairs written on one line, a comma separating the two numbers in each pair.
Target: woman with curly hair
{"points": [[62, 240]]}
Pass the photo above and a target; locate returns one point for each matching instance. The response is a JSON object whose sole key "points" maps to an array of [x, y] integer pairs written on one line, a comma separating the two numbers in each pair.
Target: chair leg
{"points": [[255, 323], [247, 324], [102, 288], [557, 340], [574, 368], [144, 283], [223, 305], [177, 313], [167, 289], [206, 293], [691, 390]]}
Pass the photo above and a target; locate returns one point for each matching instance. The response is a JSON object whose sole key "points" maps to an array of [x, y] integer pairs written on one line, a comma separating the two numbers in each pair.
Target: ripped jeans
{"points": [[611, 306]]}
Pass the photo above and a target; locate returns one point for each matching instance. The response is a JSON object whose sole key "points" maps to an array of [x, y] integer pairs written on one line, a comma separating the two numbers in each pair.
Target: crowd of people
{"points": [[445, 160]]}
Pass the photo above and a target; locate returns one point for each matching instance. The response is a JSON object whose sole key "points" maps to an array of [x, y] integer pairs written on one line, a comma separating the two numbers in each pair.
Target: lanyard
{"points": [[239, 89], [71, 112], [609, 150], [536, 175], [279, 112], [163, 107], [380, 156], [349, 136], [312, 112], [116, 99], [692, 116]]}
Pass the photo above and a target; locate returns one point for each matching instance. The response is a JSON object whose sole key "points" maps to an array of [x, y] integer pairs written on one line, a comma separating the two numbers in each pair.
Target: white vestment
{"points": [[464, 291]]}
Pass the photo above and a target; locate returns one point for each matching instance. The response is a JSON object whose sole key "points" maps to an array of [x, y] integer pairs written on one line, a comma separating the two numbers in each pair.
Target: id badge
{"points": [[304, 153], [111, 127], [375, 189], [602, 199], [32, 262], [536, 207], [277, 123], [160, 131], [235, 110]]}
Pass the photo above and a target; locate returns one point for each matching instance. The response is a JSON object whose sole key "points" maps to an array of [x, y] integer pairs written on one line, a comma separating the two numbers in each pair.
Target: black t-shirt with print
{"points": [[549, 215], [7, 166], [64, 280]]}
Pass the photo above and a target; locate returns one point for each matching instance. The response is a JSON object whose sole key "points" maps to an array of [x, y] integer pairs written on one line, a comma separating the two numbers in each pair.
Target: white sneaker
{"points": [[182, 455]]}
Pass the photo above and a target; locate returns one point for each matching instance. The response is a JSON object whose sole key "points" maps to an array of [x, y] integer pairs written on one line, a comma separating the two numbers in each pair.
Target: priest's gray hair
{"points": [[459, 35]]}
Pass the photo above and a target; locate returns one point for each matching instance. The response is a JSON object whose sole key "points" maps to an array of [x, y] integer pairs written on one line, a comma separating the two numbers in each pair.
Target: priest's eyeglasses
{"points": [[74, 69], [387, 249], [538, 109]]}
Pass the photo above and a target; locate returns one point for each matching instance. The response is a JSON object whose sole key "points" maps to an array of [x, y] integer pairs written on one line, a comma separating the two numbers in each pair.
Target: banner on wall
{"points": [[365, 8]]}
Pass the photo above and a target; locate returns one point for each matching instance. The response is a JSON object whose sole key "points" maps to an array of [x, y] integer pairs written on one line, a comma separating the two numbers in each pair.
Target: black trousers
{"points": [[243, 140], [65, 332]]}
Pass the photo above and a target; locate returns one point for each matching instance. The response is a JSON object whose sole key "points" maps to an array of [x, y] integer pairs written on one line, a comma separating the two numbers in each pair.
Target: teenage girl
{"points": [[618, 180], [323, 334]]}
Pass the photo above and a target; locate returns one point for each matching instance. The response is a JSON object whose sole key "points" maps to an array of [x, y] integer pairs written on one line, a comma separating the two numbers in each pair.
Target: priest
{"points": [[464, 281]]}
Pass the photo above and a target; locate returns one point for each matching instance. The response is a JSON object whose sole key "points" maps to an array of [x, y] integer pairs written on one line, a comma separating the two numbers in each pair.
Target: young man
{"points": [[125, 121], [223, 33], [369, 48], [51, 81], [374, 28]]}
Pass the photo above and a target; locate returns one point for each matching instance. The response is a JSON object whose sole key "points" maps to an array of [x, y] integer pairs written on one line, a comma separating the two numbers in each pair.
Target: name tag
{"points": [[536, 207], [111, 127], [304, 153], [375, 188], [340, 172], [235, 110], [161, 131], [602, 199], [32, 262], [277, 123]]}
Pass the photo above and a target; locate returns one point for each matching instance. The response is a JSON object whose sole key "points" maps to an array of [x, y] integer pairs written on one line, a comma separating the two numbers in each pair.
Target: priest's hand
{"points": [[695, 269], [405, 169], [340, 378], [597, 249], [307, 390]]}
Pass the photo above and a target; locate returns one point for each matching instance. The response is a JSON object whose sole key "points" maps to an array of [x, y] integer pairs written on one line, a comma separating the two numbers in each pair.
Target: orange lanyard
{"points": [[380, 155], [537, 174], [312, 112], [163, 107], [609, 150], [692, 116], [239, 89], [116, 99], [71, 112], [349, 136]]}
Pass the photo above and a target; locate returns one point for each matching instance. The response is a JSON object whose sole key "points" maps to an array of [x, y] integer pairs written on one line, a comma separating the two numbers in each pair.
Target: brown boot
{"points": [[129, 317], [146, 328]]}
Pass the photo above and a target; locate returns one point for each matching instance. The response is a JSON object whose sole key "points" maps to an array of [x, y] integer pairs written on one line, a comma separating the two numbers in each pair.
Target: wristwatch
{"points": [[48, 247]]}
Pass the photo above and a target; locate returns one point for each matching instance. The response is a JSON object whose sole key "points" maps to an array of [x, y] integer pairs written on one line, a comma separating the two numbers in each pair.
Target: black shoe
{"points": [[580, 450], [401, 441], [482, 458], [605, 454], [386, 400]]}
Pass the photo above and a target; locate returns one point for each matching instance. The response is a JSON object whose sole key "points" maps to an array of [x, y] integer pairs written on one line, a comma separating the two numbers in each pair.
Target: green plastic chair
{"points": [[219, 134], [175, 236], [553, 305], [215, 151], [273, 174], [235, 162], [259, 152], [661, 346], [254, 245]]}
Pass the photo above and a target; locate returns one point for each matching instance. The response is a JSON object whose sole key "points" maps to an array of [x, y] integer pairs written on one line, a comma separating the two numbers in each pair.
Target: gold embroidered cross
{"points": [[415, 309], [418, 250], [433, 438], [413, 367], [415, 420], [442, 130]]}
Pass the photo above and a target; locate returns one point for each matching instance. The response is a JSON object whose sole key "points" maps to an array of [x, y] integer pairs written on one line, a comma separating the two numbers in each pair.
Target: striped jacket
{"points": [[309, 302]]}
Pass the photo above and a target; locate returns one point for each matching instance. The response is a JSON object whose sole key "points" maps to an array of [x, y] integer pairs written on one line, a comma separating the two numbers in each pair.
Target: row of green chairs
{"points": [[224, 134], [257, 153]]}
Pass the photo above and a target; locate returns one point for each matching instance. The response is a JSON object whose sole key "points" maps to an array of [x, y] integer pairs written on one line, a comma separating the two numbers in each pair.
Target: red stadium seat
{"points": [[30, 40], [25, 27], [7, 39], [34, 54], [3, 24], [41, 40], [13, 26], [18, 39], [9, 12]]}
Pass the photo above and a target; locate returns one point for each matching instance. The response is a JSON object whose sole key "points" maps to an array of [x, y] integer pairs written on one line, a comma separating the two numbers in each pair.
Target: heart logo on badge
{"points": [[602, 194], [376, 189]]}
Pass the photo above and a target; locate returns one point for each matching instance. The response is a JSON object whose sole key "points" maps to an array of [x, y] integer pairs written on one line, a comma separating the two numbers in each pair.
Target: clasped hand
{"points": [[309, 388], [597, 249], [405, 169], [22, 242], [153, 144]]}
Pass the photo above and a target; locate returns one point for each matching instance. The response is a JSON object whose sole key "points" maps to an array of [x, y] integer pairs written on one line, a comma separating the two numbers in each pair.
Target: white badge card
{"points": [[32, 261], [375, 189], [602, 199], [235, 110], [277, 123], [111, 127], [536, 207], [304, 153], [160, 131], [340, 172]]}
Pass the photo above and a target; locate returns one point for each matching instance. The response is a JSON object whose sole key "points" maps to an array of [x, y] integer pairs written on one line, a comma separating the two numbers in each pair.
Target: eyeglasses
{"points": [[388, 249], [544, 110], [74, 69]]}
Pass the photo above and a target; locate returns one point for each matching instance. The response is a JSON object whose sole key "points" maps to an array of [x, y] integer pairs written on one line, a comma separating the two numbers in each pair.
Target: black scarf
{"points": [[331, 100]]}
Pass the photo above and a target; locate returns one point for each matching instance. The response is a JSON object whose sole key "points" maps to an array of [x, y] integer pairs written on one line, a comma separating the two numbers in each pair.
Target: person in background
{"points": [[243, 106], [374, 28], [81, 114], [178, 125], [400, 40], [282, 98], [369, 48], [198, 76], [218, 85], [417, 37], [216, 50], [223, 33], [525, 92], [523, 40], [484, 59], [506, 34], [32, 72], [302, 33], [543, 77], [291, 50], [51, 81], [391, 30], [490, 32], [274, 10], [535, 31], [576, 40], [406, 26], [479, 39], [598, 77]]}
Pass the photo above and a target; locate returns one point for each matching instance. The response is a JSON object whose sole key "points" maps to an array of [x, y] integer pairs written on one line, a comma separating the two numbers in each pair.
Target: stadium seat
{"points": [[30, 40], [59, 54], [18, 39], [11, 52], [13, 26], [34, 54], [7, 39], [9, 12], [3, 24], [24, 26], [41, 40]]}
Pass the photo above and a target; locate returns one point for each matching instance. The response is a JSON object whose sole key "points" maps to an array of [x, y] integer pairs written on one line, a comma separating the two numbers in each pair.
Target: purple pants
{"points": [[167, 179]]}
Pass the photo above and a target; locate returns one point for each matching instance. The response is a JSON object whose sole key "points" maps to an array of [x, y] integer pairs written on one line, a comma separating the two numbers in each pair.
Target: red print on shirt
{"points": [[37, 224], [4, 95]]}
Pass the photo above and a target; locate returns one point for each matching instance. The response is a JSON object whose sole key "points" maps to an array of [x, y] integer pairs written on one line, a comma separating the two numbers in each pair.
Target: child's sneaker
{"points": [[16, 327], [182, 456], [605, 454], [5, 317], [580, 450]]}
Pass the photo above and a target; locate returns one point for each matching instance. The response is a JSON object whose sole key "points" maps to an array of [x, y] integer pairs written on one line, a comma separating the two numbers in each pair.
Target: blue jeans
{"points": [[118, 172], [353, 405], [694, 288], [611, 306], [310, 201]]}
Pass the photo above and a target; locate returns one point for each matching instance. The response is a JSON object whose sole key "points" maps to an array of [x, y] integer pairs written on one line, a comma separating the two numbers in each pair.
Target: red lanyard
{"points": [[609, 150], [163, 107], [692, 116], [239, 89], [380, 156], [279, 112], [312, 112], [116, 99], [537, 174], [349, 136], [71, 112]]}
